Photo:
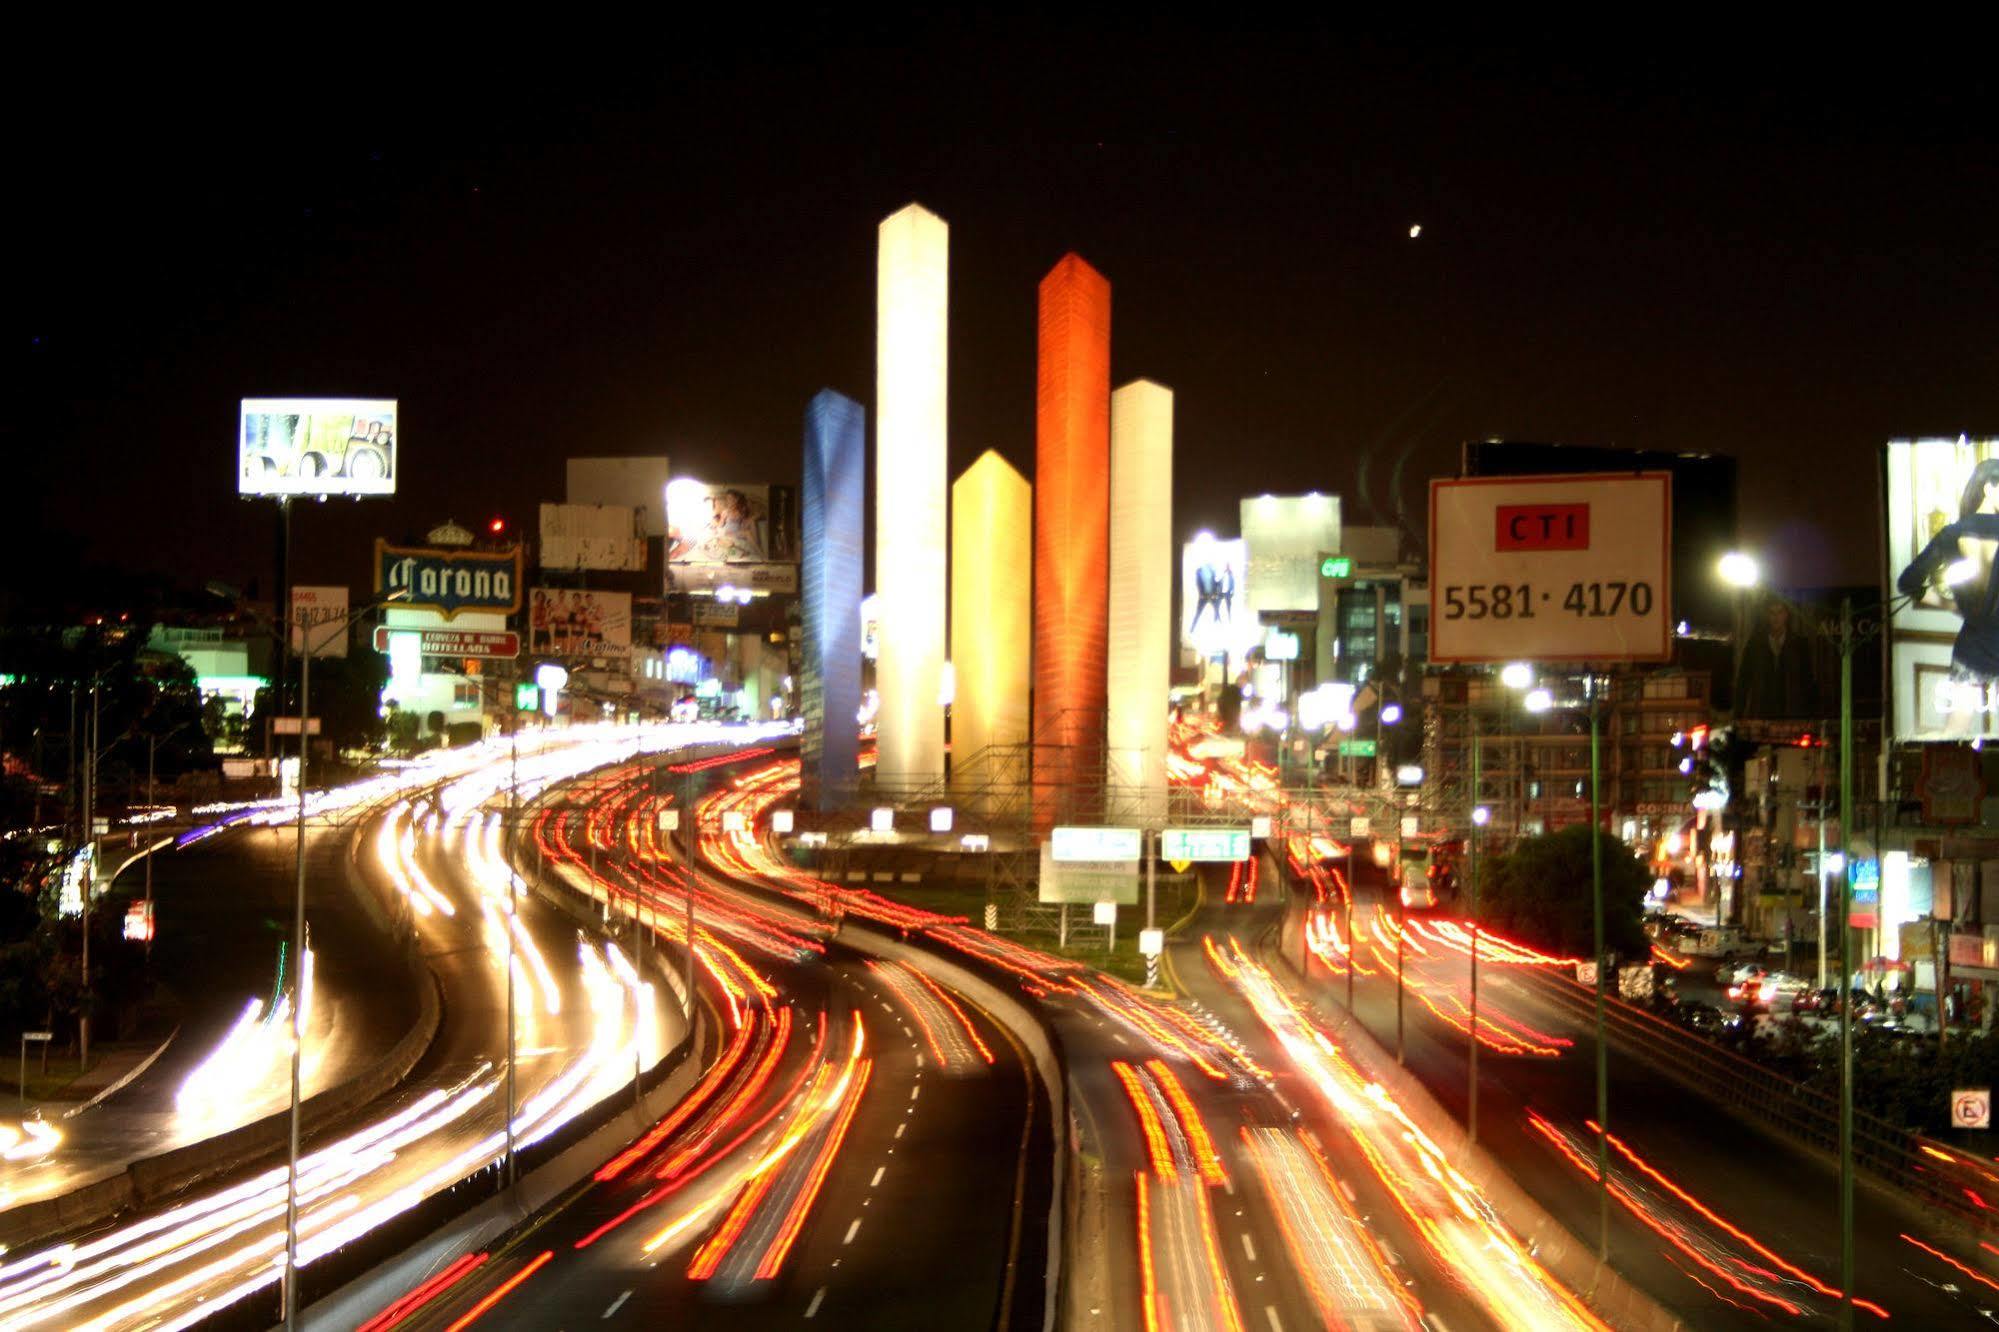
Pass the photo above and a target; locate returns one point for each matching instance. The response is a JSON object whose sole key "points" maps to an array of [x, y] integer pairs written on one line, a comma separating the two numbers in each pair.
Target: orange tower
{"points": [[1072, 478]]}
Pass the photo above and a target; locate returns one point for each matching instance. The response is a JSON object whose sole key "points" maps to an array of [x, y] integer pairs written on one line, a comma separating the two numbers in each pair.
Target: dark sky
{"points": [[664, 241]]}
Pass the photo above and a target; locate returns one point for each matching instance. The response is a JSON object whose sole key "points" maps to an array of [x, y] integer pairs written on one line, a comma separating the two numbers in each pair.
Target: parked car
{"points": [[1702, 1018]]}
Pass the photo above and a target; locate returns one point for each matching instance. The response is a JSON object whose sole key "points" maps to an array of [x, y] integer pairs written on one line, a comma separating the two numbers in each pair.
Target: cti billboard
{"points": [[1943, 639], [449, 581], [573, 622], [1215, 618], [1284, 537], [731, 536], [1551, 568], [316, 446]]}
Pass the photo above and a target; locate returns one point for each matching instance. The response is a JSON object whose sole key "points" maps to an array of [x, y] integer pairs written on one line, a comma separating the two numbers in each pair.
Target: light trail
{"points": [[1447, 1212]]}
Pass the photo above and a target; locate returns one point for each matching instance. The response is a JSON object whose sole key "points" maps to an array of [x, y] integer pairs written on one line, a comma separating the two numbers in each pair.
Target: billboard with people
{"points": [[1943, 638], [1215, 618], [576, 623]]}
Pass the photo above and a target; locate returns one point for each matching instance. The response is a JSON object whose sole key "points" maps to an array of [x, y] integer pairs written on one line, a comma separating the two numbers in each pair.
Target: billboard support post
{"points": [[1602, 1047], [1846, 964]]}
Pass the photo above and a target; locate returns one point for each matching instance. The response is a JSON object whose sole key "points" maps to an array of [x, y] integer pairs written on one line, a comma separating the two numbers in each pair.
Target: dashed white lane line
{"points": [[899, 1128], [617, 1304], [851, 1231], [879, 1172], [1270, 1312], [1248, 1248], [914, 1092], [919, 1062], [817, 1296]]}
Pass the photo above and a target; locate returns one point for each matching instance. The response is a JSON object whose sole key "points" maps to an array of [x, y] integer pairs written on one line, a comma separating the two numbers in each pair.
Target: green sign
{"points": [[1204, 844], [1336, 566], [527, 698], [1356, 749]]}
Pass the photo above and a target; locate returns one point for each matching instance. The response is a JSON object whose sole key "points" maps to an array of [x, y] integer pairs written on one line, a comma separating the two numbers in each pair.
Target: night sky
{"points": [[664, 242]]}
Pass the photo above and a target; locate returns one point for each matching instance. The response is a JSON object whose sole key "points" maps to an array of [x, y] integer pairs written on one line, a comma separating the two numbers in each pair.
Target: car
{"points": [[1702, 1018], [1736, 972]]}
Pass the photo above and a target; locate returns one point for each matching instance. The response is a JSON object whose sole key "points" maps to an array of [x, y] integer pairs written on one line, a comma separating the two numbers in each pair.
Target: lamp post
{"points": [[307, 646]]}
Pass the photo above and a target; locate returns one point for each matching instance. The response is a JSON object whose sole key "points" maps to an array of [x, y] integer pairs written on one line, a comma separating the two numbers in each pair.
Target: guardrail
{"points": [[1897, 1158]]}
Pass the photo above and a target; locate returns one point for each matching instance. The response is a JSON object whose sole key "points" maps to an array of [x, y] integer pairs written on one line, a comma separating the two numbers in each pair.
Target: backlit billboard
{"points": [[1215, 618], [731, 536], [1943, 640], [1283, 537], [577, 622], [316, 446]]}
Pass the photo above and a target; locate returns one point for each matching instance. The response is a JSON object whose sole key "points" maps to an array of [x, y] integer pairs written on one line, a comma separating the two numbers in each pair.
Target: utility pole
{"points": [[90, 872], [1471, 1077], [1846, 1272], [513, 923], [298, 977], [1602, 1047]]}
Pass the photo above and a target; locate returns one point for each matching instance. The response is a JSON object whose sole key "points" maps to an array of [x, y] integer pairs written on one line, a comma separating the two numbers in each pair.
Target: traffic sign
{"points": [[1356, 749], [1971, 1108], [455, 642], [1180, 866], [1551, 568], [38, 1035], [1207, 845], [1104, 913], [289, 726], [1151, 943], [1360, 827], [1091, 843]]}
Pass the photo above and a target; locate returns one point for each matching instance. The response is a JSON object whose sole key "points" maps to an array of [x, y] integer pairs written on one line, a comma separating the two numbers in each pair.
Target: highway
{"points": [[432, 837], [858, 1151], [1721, 1222], [224, 913]]}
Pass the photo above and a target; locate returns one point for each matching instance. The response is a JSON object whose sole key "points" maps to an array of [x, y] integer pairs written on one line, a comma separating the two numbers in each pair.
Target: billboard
{"points": [[316, 446], [1551, 568], [449, 581], [592, 536], [313, 608], [1943, 640], [1215, 618], [574, 622], [731, 536], [1283, 537], [624, 482]]}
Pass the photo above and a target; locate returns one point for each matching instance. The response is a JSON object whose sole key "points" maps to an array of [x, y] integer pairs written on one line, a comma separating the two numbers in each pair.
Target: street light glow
{"points": [[1516, 675], [1391, 713], [1739, 570], [1539, 700], [1481, 816]]}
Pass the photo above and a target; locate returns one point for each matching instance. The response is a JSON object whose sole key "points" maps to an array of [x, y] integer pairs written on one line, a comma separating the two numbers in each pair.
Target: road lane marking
{"points": [[879, 1172], [1247, 1247], [1270, 1312], [617, 1304], [914, 1092], [851, 1231], [899, 1128], [817, 1296]]}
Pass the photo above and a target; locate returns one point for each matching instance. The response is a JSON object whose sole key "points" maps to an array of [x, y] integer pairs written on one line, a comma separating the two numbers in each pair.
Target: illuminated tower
{"points": [[1072, 406], [992, 544], [911, 299], [1139, 641], [832, 518]]}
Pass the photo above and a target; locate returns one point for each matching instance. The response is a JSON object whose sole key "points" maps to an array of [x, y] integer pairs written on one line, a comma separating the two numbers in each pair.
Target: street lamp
{"points": [[1739, 570], [307, 646], [1516, 675]]}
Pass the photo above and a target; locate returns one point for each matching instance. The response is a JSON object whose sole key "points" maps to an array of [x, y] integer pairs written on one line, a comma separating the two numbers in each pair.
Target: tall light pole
{"points": [[307, 646]]}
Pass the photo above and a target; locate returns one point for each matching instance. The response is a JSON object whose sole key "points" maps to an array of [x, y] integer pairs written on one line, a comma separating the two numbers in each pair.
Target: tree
{"points": [[1540, 893]]}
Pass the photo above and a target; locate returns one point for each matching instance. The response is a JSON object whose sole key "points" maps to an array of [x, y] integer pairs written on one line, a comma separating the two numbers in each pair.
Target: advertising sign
{"points": [[1088, 881], [1943, 532], [1209, 845], [314, 608], [450, 581], [591, 536], [1120, 844], [316, 446], [1286, 537], [1551, 568], [572, 622], [741, 536], [1215, 619], [454, 642]]}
